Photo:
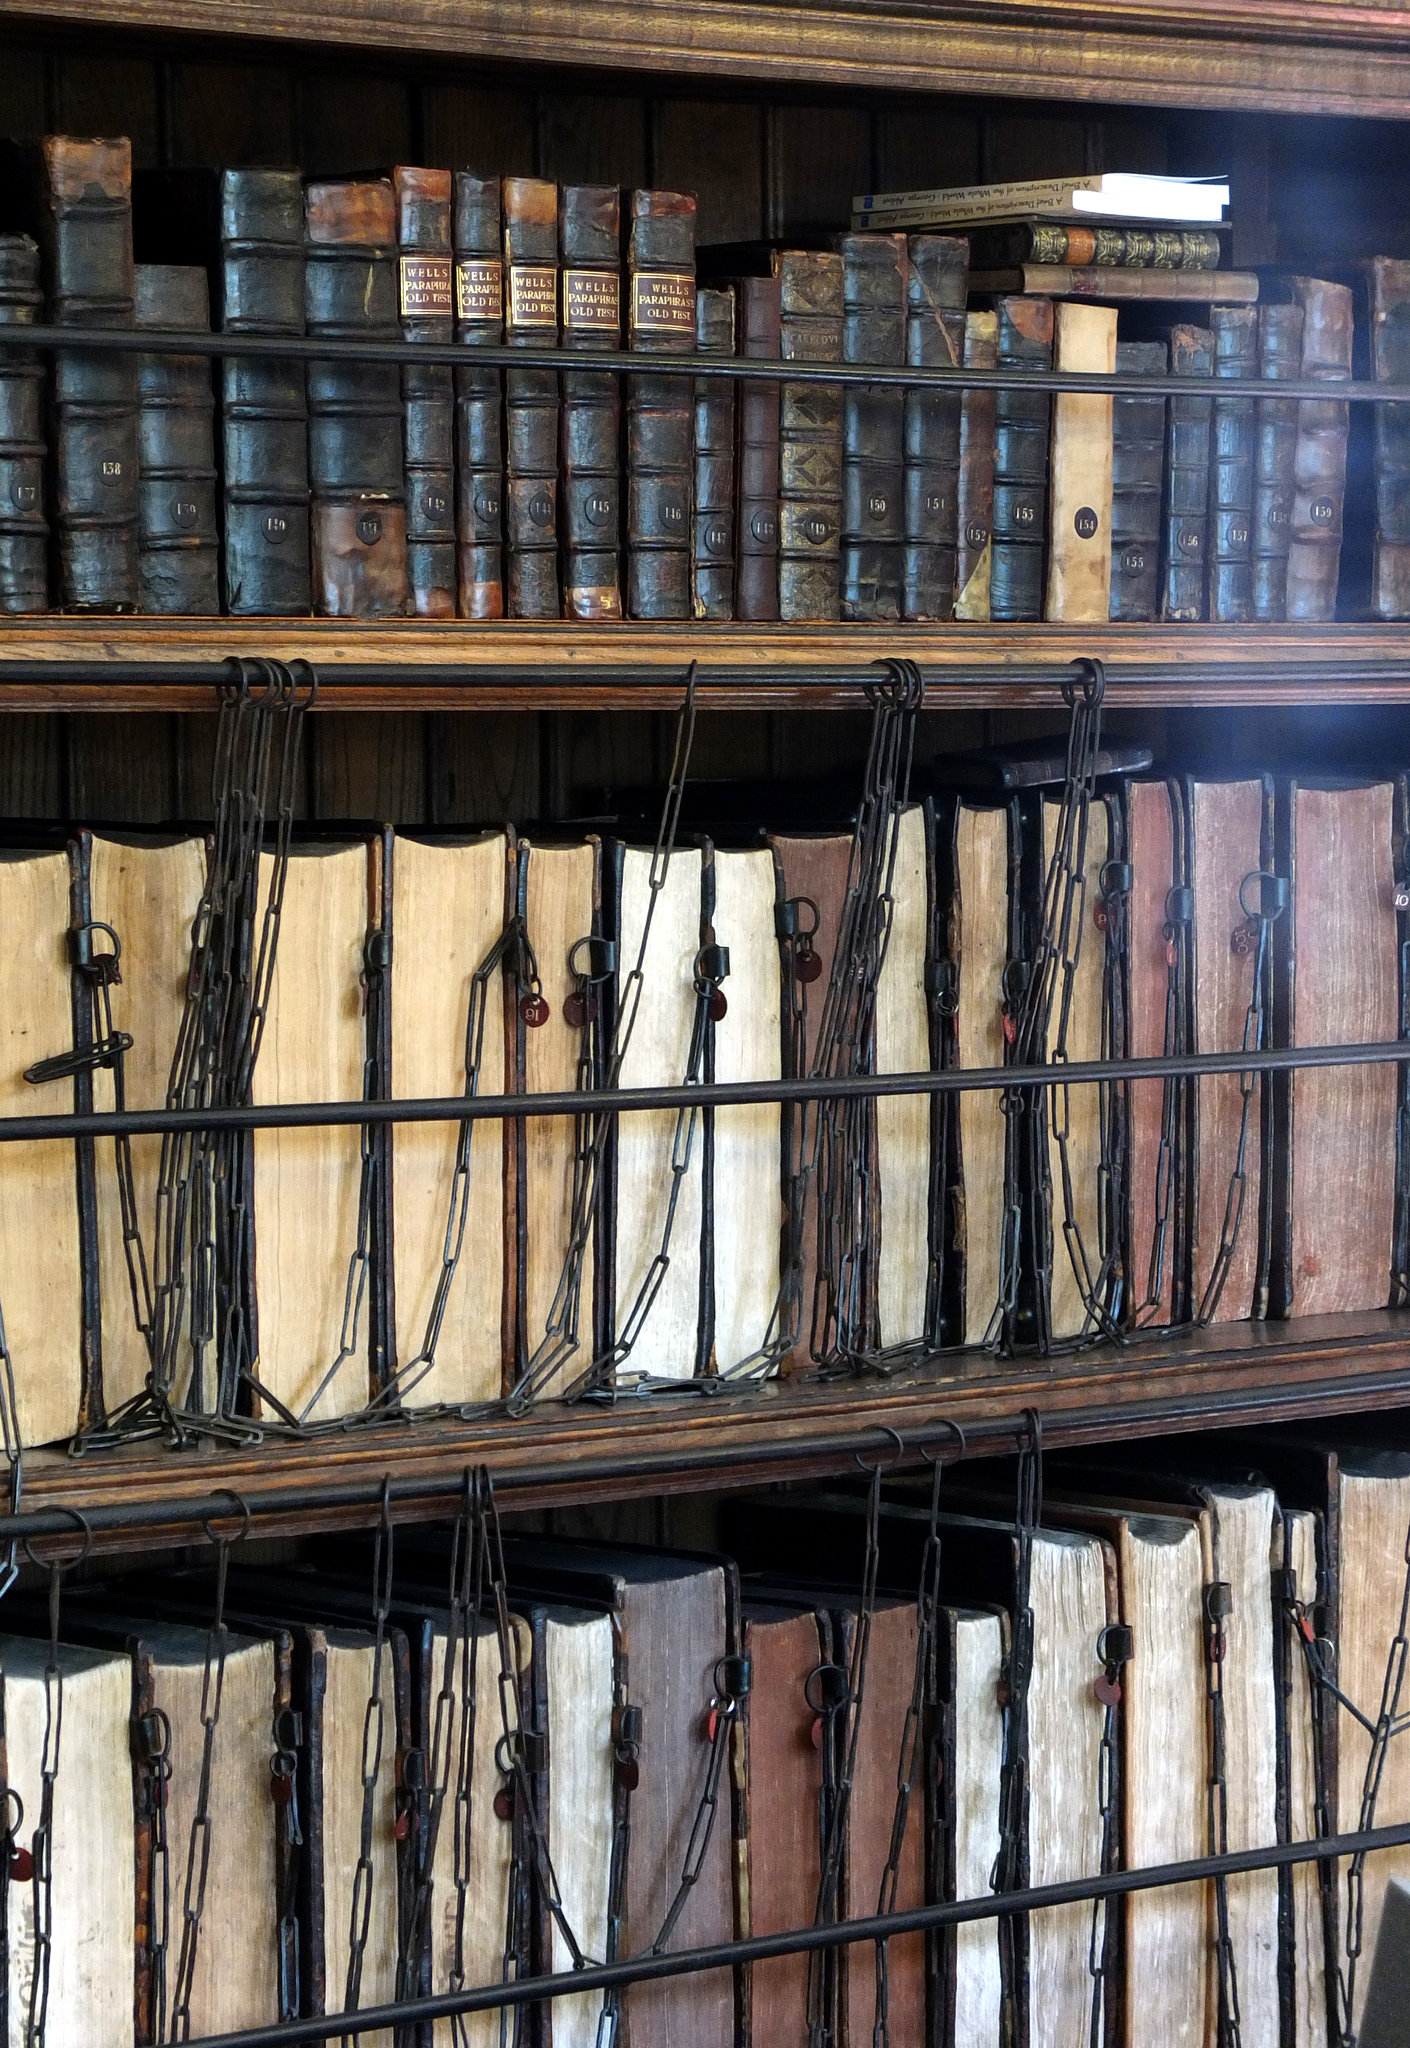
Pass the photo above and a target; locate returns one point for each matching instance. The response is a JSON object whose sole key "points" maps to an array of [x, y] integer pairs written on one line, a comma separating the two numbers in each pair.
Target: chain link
{"points": [[373, 1744], [1218, 1605], [1113, 1652], [42, 1840], [154, 1733], [1018, 1672]]}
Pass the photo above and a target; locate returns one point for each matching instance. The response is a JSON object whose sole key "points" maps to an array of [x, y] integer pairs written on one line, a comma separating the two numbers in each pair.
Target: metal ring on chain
{"points": [[242, 1507], [901, 685], [65, 1564], [1087, 678], [897, 1439], [961, 1445]]}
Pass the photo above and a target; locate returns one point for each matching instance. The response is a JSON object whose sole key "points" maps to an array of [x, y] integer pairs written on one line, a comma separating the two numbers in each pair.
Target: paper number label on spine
{"points": [[1085, 523]]}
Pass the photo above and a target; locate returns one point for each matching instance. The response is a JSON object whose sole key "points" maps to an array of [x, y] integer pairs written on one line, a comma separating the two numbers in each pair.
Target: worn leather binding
{"points": [[1185, 520], [75, 197], [589, 243], [1319, 460], [1231, 464], [425, 301], [1079, 549], [176, 448], [24, 531], [810, 438], [1279, 358], [756, 525], [1078, 244], [661, 321], [1390, 364], [479, 400], [1137, 464], [874, 479], [936, 276], [974, 516], [355, 409], [1022, 420], [712, 551], [531, 397], [1157, 1180]]}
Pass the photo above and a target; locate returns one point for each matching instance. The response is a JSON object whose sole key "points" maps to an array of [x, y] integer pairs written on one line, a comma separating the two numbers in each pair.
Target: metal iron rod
{"points": [[277, 1116], [325, 348], [804, 1940]]}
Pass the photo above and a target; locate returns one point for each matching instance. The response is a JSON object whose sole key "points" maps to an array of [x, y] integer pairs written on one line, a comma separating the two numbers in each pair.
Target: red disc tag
{"points": [[628, 1773], [1099, 916], [21, 1865], [281, 1788], [717, 1006], [575, 1010], [504, 1804], [712, 1722], [1108, 1691], [402, 1826], [533, 1010], [1010, 1028], [817, 1731], [807, 967]]}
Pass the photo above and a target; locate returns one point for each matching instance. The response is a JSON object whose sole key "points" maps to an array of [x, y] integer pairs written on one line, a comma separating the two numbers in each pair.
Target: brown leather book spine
{"points": [[712, 548], [661, 268], [1319, 460], [975, 509], [873, 428], [24, 531], [1279, 359], [355, 409], [531, 398], [1390, 364], [590, 246], [426, 299], [781, 1842], [1156, 1177], [937, 269], [479, 400], [810, 439], [180, 546], [756, 527]]}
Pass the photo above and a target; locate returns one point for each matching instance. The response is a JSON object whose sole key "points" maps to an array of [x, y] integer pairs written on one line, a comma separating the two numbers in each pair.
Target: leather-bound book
{"points": [[590, 245], [1279, 359], [479, 399], [756, 526], [75, 197], [1390, 364], [1157, 1150], [176, 449], [24, 578], [355, 409], [531, 399], [873, 422], [810, 438], [712, 550], [425, 301], [1022, 421], [1079, 548], [1231, 460], [974, 517], [1185, 522], [1319, 459], [902, 1123], [1335, 1158], [1137, 464], [936, 275], [661, 266]]}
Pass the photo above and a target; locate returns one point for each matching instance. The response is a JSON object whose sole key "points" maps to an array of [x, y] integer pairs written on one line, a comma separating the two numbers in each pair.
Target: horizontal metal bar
{"points": [[759, 1948], [467, 355], [279, 1116]]}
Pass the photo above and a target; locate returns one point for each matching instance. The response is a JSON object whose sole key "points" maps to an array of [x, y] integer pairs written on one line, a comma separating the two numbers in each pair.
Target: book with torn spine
{"points": [[1116, 281], [936, 267], [479, 400], [974, 512], [531, 320], [589, 248], [426, 304], [661, 321]]}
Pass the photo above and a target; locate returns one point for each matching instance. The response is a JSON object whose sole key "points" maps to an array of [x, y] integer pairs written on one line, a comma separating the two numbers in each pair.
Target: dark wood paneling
{"points": [[193, 755], [24, 102], [923, 143], [1020, 145], [353, 121], [483, 768], [716, 150], [819, 159], [366, 766], [118, 771], [221, 114], [107, 94], [31, 767], [584, 756], [482, 129], [592, 139], [1134, 143]]}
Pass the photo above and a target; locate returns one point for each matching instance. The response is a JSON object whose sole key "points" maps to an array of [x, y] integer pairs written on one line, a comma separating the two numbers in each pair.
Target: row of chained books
{"points": [[454, 1264], [364, 489], [305, 1810]]}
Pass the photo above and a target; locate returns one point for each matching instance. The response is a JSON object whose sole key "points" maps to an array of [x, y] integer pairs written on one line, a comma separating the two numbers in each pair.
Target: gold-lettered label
{"points": [[425, 284], [533, 295], [592, 301], [663, 302], [479, 289]]}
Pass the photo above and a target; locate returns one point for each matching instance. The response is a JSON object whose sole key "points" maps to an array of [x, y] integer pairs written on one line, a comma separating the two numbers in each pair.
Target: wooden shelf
{"points": [[1242, 1372], [406, 665], [1313, 56]]}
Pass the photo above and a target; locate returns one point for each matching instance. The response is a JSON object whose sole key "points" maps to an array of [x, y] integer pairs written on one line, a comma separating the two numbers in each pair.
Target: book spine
{"points": [[1279, 359], [356, 459], [264, 401], [1082, 244], [1390, 364], [590, 246], [810, 439], [88, 221], [1079, 558], [24, 531], [178, 537], [1319, 459], [425, 303], [712, 559], [756, 525], [975, 506], [531, 399], [479, 400], [1185, 520], [875, 479], [661, 267], [936, 277], [1231, 458], [1022, 422], [1137, 460]]}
